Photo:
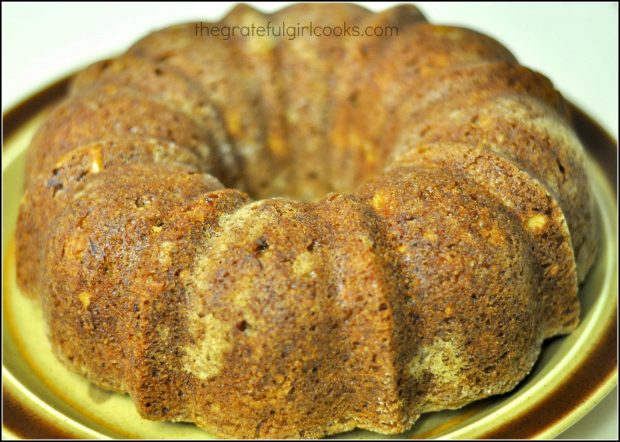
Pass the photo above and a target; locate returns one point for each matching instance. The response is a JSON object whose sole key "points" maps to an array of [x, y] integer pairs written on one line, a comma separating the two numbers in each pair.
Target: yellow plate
{"points": [[43, 399]]}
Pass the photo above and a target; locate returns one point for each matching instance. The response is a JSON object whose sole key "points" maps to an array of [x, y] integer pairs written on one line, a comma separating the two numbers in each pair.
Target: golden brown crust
{"points": [[167, 85], [537, 211], [471, 283], [162, 299], [90, 257], [53, 189], [257, 67], [314, 65], [529, 132], [160, 44], [461, 227], [346, 159], [420, 50], [113, 112]]}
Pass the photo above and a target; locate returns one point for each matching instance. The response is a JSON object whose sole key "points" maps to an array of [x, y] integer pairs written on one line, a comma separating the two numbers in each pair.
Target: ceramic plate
{"points": [[44, 400]]}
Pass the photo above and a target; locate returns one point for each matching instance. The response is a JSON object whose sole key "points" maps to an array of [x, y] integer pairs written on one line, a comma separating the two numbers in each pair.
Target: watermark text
{"points": [[292, 32]]}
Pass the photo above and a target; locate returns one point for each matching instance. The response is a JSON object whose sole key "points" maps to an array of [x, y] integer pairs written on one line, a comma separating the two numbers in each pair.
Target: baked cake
{"points": [[294, 237]]}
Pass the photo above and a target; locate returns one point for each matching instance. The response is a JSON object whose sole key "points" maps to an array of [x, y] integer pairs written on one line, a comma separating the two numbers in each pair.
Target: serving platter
{"points": [[44, 400]]}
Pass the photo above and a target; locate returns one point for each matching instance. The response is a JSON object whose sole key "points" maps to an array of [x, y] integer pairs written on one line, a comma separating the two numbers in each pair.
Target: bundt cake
{"points": [[293, 237]]}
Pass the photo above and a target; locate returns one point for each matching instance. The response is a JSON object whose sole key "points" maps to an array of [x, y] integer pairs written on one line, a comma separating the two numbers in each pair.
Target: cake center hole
{"points": [[303, 179]]}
